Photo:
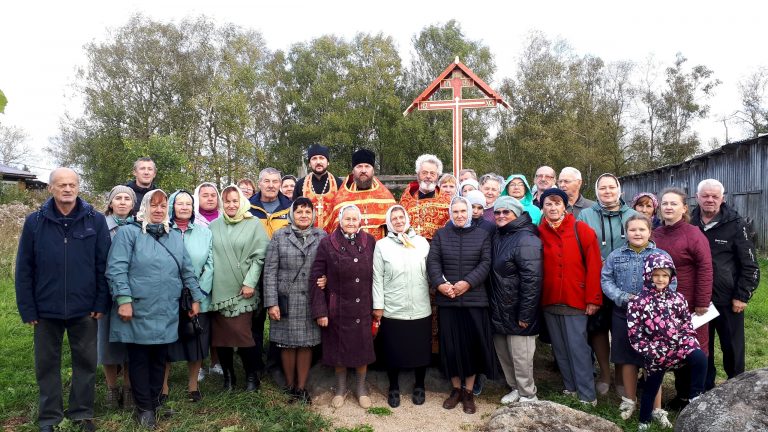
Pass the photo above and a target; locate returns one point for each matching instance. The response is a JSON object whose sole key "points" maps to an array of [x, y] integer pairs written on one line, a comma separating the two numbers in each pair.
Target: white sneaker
{"points": [[201, 374], [660, 417], [524, 399], [602, 388], [216, 369], [593, 403], [570, 393], [510, 397], [627, 407], [643, 426]]}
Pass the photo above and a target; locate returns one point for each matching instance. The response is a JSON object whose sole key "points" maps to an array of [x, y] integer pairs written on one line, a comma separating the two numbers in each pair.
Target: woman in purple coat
{"points": [[343, 309]]}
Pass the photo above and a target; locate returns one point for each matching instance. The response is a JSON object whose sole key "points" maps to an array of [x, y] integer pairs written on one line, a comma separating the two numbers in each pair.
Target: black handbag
{"points": [[188, 327]]}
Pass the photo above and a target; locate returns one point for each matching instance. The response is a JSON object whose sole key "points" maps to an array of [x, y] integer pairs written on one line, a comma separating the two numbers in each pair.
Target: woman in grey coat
{"points": [[290, 256]]}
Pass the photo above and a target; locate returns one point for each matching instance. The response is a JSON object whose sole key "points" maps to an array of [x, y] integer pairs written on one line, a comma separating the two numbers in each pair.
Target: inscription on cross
{"points": [[455, 77]]}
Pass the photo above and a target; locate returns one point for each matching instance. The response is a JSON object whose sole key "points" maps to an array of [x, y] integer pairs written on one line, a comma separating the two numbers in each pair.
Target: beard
{"points": [[427, 187], [319, 170], [363, 184]]}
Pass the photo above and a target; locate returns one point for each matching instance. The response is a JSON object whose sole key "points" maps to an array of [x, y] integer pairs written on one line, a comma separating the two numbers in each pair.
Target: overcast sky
{"points": [[41, 43]]}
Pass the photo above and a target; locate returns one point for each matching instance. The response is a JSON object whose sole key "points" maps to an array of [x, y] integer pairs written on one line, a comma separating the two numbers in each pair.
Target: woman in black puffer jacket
{"points": [[458, 263], [515, 294]]}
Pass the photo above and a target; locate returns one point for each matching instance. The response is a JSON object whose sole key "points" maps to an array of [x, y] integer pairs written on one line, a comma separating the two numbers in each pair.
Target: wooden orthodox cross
{"points": [[456, 76]]}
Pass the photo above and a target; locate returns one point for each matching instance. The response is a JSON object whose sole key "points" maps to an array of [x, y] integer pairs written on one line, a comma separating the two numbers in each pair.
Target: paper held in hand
{"points": [[700, 320]]}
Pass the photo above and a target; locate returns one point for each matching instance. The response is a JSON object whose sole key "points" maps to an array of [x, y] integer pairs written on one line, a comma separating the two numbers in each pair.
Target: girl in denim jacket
{"points": [[621, 280]]}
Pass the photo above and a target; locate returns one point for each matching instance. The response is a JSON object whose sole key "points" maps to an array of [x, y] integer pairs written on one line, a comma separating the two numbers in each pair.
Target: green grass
{"points": [[268, 410]]}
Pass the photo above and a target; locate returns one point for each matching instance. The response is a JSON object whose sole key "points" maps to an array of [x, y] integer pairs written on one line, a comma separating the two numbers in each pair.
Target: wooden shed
{"points": [[740, 166], [19, 178]]}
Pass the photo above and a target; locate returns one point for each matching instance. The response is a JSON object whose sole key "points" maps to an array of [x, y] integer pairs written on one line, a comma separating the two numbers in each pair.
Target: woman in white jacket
{"points": [[401, 303]]}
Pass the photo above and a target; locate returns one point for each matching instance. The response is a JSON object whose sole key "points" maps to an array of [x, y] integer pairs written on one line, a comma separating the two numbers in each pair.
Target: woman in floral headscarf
{"points": [[146, 265], [239, 246], [401, 302]]}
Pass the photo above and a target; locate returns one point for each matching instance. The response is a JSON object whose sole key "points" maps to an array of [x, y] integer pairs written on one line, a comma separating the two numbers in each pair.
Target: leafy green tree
{"points": [[666, 134], [3, 101]]}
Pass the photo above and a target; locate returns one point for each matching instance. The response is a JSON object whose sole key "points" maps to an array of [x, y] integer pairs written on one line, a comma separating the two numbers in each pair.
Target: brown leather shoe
{"points": [[468, 402], [453, 399]]}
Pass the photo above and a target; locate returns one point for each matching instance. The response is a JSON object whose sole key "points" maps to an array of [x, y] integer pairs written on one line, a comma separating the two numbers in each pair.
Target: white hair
{"points": [[52, 174], [429, 158], [710, 184], [571, 170], [268, 171], [491, 177]]}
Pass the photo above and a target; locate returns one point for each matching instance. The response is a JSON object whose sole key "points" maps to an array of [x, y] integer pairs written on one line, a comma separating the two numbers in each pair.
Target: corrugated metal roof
{"points": [[7, 171]]}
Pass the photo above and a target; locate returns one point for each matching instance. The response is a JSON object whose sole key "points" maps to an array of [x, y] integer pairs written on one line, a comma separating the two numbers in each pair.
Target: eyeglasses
{"points": [[551, 177], [516, 185], [504, 212]]}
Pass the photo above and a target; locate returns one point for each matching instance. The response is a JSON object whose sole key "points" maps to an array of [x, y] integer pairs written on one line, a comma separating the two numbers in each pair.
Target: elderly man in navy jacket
{"points": [[60, 286]]}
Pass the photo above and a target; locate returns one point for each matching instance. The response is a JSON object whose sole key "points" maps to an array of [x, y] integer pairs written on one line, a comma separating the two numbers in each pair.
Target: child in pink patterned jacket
{"points": [[660, 329]]}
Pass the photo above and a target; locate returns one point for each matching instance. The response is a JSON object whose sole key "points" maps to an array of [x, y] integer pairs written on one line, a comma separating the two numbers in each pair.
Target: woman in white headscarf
{"points": [[458, 264], [147, 267], [401, 302], [343, 309]]}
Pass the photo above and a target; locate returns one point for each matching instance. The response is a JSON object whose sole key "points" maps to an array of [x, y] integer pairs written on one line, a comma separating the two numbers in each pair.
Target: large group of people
{"points": [[462, 269]]}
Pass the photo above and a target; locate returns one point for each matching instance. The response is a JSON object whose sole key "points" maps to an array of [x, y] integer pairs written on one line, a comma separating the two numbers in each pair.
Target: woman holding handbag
{"points": [[290, 255], [147, 268]]}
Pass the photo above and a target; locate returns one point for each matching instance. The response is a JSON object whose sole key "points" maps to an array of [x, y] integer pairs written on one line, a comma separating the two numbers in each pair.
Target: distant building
{"points": [[20, 178], [741, 166]]}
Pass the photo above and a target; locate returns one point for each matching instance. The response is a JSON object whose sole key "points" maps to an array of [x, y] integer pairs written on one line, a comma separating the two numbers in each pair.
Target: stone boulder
{"points": [[738, 405], [546, 416]]}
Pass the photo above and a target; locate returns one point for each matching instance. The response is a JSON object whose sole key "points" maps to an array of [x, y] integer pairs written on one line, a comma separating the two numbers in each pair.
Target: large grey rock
{"points": [[546, 416], [738, 405]]}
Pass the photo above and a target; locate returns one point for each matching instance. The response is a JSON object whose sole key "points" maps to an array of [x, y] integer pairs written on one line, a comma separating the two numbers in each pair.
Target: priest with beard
{"points": [[427, 206], [368, 193], [320, 186]]}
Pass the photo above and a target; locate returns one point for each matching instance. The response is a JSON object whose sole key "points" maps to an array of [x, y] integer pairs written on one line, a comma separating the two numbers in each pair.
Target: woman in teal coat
{"points": [[197, 241], [517, 187], [147, 268]]}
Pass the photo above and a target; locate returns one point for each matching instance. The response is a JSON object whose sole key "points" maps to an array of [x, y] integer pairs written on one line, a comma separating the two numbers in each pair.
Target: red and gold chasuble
{"points": [[427, 214], [321, 201], [373, 204]]}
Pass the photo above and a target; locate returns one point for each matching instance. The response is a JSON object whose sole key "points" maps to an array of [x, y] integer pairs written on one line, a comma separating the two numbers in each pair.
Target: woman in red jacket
{"points": [[689, 249], [570, 291]]}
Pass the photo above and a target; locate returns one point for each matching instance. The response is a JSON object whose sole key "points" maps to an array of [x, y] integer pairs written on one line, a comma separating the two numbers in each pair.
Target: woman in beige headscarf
{"points": [[239, 246]]}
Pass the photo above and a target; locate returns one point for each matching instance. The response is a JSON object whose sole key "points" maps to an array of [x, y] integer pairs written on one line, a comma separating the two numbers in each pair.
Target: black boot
{"points": [[229, 379], [252, 382]]}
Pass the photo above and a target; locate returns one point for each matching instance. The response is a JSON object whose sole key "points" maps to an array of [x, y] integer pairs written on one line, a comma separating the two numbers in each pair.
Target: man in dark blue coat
{"points": [[61, 286]]}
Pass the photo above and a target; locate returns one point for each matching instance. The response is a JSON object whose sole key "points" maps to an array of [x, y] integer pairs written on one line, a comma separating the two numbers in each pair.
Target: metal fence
{"points": [[740, 166]]}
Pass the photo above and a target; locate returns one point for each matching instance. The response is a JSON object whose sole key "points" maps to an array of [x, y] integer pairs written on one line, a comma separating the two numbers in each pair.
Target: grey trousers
{"points": [[515, 354], [572, 352], [48, 338]]}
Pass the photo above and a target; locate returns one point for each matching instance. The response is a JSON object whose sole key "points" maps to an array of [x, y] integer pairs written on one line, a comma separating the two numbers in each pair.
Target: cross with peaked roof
{"points": [[456, 76]]}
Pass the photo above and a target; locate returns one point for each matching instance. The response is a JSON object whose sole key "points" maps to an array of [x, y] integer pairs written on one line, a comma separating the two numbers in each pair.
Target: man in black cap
{"points": [[364, 190], [321, 185]]}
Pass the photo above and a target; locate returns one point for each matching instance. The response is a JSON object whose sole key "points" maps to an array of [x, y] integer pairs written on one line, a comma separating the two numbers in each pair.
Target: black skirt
{"points": [[192, 349], [621, 351], [466, 342], [406, 343]]}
